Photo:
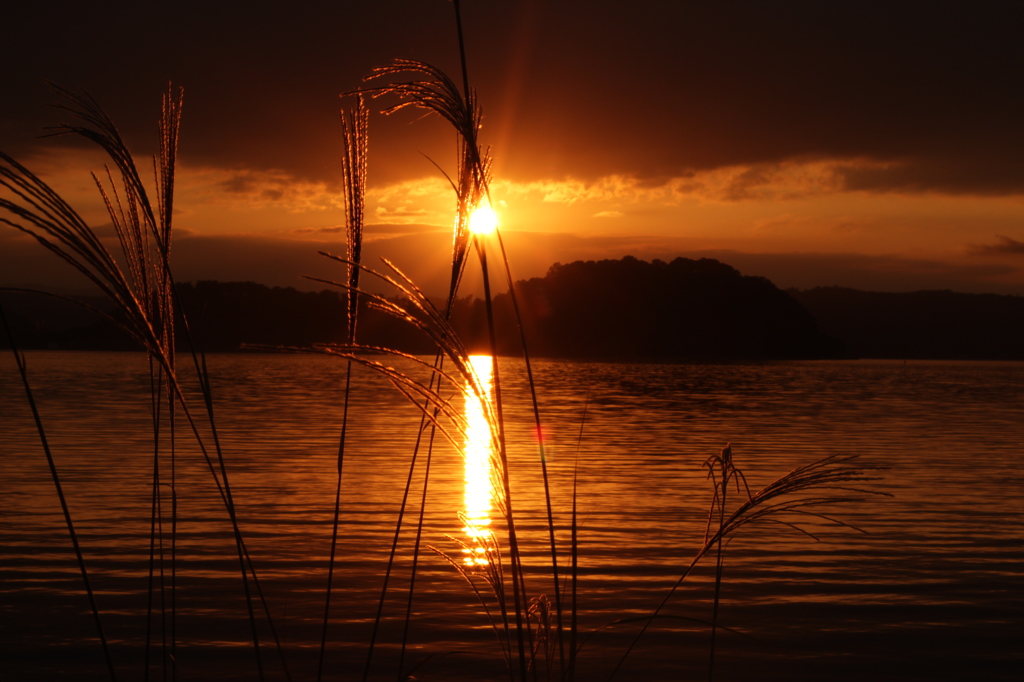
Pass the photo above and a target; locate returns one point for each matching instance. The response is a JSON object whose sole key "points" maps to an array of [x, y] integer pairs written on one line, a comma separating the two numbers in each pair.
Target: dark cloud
{"points": [[403, 212], [740, 187], [374, 230], [24, 263], [371, 231], [984, 175], [1005, 246], [105, 231], [339, 229], [655, 90]]}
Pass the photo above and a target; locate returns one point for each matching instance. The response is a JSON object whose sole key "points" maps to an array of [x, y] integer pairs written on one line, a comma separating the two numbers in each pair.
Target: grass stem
{"points": [[23, 371]]}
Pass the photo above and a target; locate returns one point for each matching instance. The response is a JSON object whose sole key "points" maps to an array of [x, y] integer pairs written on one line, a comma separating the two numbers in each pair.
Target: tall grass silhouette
{"points": [[354, 159], [141, 287]]}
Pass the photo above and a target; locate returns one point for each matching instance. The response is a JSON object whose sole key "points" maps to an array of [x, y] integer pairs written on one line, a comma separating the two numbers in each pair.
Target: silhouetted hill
{"points": [[921, 324], [685, 309]]}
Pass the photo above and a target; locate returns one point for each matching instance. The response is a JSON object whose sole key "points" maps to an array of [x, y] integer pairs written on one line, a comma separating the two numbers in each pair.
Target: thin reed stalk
{"points": [[55, 477], [354, 124], [518, 586], [417, 541], [156, 534], [789, 500], [574, 551], [424, 426], [532, 384], [391, 558], [720, 486]]}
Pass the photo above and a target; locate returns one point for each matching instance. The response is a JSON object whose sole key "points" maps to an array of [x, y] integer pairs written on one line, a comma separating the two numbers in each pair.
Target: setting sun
{"points": [[483, 220]]}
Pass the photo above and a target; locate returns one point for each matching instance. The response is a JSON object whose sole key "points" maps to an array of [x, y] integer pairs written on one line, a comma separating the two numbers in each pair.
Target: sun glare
{"points": [[483, 220]]}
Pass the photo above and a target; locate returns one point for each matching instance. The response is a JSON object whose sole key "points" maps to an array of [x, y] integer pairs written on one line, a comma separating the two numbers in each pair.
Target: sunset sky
{"points": [[871, 145]]}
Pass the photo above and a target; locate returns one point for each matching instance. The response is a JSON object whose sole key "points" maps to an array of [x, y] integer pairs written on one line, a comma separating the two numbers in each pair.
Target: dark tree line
{"points": [[920, 324], [612, 309]]}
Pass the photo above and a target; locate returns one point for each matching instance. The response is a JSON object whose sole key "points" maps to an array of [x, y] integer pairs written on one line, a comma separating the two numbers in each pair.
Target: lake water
{"points": [[933, 590]]}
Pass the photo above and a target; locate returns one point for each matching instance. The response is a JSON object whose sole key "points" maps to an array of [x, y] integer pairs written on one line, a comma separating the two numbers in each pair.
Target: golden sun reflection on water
{"points": [[478, 451]]}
